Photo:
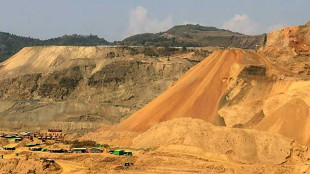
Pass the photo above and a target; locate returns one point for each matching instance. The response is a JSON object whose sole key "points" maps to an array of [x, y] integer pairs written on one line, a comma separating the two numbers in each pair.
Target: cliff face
{"points": [[80, 84], [288, 42], [289, 49]]}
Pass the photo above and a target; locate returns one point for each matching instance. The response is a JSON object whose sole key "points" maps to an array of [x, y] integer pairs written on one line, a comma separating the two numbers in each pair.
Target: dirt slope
{"points": [[199, 93], [292, 120], [289, 48], [188, 145], [245, 150], [32, 60], [195, 133], [73, 87], [24, 165], [289, 41], [234, 88]]}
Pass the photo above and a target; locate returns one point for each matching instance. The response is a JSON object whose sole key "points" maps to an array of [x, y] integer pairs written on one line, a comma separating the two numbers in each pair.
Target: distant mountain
{"points": [[11, 44], [195, 35]]}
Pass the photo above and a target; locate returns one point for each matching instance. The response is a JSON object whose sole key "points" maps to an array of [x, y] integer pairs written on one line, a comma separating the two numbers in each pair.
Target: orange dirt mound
{"points": [[198, 93], [290, 120]]}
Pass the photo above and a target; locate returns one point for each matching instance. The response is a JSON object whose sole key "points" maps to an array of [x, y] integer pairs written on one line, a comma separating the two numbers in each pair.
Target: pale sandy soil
{"points": [[186, 145]]}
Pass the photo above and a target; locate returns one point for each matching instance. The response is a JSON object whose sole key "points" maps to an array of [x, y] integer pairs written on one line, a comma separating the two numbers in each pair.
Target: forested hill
{"points": [[194, 36]]}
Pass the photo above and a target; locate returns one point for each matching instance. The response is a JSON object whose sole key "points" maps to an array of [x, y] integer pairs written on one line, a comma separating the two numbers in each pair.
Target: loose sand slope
{"points": [[234, 88], [32, 60], [292, 120], [198, 93]]}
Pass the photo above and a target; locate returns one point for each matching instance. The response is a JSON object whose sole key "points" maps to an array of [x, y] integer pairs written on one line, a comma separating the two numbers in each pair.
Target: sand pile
{"points": [[195, 135], [292, 120], [275, 106], [200, 92], [43, 59]]}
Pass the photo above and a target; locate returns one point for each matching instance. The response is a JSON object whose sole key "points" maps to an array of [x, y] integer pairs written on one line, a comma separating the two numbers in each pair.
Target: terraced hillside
{"points": [[81, 87]]}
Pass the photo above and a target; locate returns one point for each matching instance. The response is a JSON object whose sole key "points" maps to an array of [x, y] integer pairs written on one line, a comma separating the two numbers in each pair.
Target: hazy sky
{"points": [[116, 19]]}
